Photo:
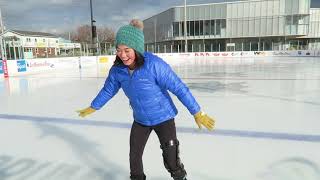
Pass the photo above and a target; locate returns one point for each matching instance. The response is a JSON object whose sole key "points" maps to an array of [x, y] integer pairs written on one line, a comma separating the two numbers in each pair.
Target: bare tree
{"points": [[83, 34], [106, 35]]}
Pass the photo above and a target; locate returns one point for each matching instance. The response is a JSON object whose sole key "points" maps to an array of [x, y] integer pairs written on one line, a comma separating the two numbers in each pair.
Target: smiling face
{"points": [[127, 55]]}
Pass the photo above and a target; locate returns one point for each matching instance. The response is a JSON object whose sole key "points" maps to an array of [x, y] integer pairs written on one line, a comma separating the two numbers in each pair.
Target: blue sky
{"points": [[63, 15]]}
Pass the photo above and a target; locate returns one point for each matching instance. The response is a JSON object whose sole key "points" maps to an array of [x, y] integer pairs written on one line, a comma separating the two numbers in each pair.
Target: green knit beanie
{"points": [[131, 36]]}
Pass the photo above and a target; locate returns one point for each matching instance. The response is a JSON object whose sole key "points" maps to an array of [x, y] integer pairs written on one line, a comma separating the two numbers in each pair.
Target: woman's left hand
{"points": [[203, 119]]}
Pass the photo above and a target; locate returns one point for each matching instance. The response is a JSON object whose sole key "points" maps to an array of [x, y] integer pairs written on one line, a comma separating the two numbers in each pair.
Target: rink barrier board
{"points": [[103, 63]]}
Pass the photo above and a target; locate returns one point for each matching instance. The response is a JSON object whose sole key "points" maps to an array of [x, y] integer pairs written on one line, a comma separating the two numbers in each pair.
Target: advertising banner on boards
{"points": [[5, 68], [1, 66], [22, 65]]}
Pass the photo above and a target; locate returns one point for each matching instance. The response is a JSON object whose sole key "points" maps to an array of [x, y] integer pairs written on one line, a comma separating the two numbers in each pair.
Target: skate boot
{"points": [[138, 177]]}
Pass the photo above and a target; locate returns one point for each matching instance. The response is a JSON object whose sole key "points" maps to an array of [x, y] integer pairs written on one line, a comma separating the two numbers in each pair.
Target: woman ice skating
{"points": [[146, 80]]}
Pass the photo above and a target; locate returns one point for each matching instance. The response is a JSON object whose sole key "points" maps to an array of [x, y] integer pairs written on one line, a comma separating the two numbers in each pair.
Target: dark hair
{"points": [[139, 60]]}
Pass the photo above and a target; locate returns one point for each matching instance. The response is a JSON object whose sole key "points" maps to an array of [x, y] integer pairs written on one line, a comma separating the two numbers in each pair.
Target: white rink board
{"points": [[103, 63]]}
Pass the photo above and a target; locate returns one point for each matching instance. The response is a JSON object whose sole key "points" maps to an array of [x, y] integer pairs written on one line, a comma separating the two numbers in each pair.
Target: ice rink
{"points": [[267, 113]]}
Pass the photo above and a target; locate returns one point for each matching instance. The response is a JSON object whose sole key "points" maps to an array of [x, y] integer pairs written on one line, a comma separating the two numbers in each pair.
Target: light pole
{"points": [[185, 27], [2, 47], [155, 34], [93, 31]]}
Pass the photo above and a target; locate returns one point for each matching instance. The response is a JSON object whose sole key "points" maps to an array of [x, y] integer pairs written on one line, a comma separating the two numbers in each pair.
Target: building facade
{"points": [[18, 44], [252, 25]]}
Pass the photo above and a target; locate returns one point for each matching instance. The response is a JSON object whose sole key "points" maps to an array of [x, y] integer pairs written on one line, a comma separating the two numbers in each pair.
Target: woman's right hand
{"points": [[86, 111]]}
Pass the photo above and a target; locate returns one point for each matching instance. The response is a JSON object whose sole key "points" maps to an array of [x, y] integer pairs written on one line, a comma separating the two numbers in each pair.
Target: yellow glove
{"points": [[203, 119], [86, 111]]}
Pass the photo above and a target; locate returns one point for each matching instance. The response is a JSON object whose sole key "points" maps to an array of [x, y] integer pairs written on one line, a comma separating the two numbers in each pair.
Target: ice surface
{"points": [[267, 124]]}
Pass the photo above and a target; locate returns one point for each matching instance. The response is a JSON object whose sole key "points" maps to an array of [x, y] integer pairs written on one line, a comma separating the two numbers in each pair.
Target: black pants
{"points": [[165, 131]]}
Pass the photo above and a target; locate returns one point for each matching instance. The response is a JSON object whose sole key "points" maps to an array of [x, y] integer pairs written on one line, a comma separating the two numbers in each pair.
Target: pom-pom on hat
{"points": [[132, 36]]}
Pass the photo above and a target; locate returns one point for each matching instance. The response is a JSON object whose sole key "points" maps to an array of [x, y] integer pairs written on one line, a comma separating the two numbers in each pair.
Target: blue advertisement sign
{"points": [[22, 66], [1, 67]]}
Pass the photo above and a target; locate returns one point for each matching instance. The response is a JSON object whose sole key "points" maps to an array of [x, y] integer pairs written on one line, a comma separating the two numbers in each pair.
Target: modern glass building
{"points": [[252, 25], [314, 29]]}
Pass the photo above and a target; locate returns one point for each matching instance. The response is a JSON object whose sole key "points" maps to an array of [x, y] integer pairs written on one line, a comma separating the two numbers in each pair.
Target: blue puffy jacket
{"points": [[147, 91]]}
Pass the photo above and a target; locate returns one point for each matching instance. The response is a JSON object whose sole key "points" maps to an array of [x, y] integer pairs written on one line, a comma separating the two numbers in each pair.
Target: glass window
{"points": [[182, 28], [257, 27], [197, 13], [254, 46], [240, 9], [288, 7], [191, 28], [252, 6], [305, 19], [178, 13], [245, 27], [207, 12], [190, 13], [196, 28], [218, 27], [251, 27], [264, 7], [239, 28], [281, 25], [212, 12], [275, 26], [202, 11], [201, 27], [234, 10], [295, 6], [263, 26], [313, 16], [269, 26], [229, 10], [234, 27], [270, 9], [218, 8], [294, 26], [188, 28], [175, 29], [276, 5], [313, 29], [288, 22], [303, 7], [295, 19], [246, 45], [282, 7], [257, 9], [223, 8], [301, 29], [229, 28], [213, 27], [246, 9], [238, 46], [317, 30], [223, 28], [206, 28]]}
